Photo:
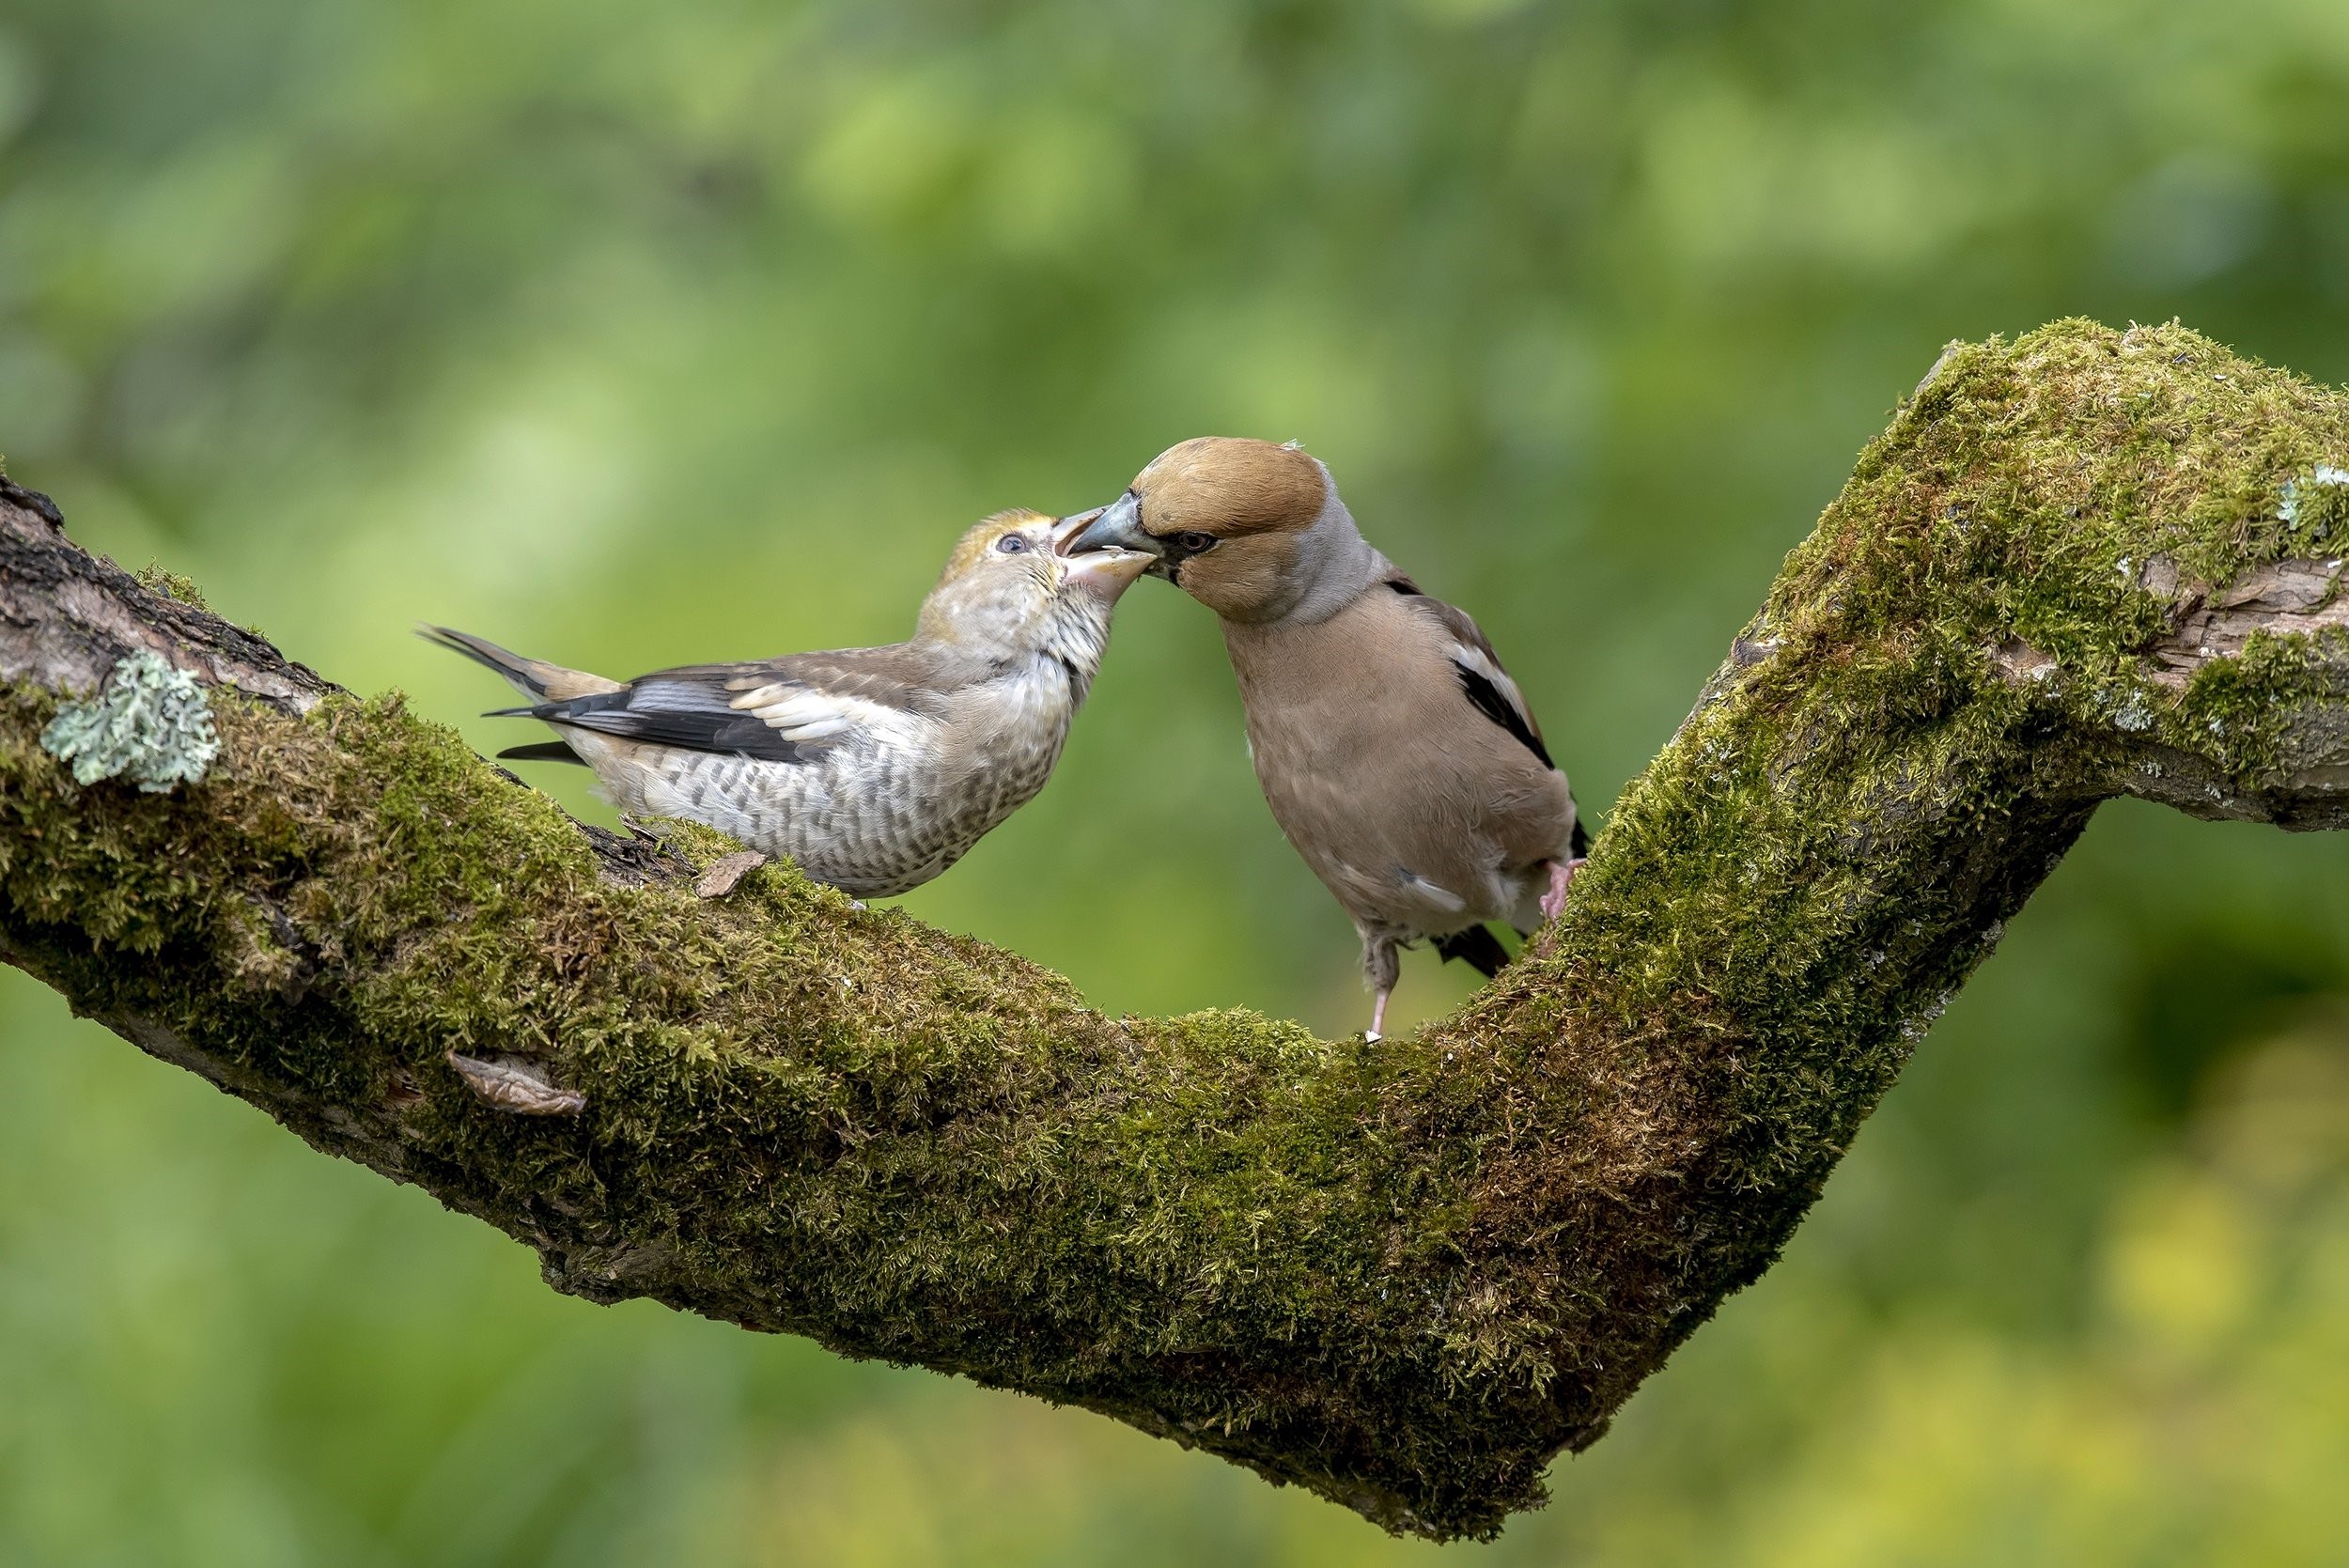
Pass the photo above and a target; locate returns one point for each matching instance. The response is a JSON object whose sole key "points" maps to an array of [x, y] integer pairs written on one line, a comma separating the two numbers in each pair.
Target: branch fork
{"points": [[2084, 563]]}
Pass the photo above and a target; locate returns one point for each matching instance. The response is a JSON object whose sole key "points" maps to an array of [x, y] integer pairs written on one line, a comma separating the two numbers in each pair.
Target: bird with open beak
{"points": [[874, 769], [1396, 753]]}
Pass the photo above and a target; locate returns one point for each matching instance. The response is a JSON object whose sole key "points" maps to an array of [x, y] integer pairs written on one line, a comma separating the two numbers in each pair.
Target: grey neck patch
{"points": [[1079, 634], [1334, 564]]}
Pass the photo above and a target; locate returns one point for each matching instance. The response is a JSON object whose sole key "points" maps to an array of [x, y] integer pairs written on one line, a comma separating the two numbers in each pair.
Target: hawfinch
{"points": [[1396, 753], [874, 769]]}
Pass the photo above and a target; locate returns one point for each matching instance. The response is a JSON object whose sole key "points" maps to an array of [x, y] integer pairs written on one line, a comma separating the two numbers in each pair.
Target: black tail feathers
{"points": [[1476, 947], [543, 751]]}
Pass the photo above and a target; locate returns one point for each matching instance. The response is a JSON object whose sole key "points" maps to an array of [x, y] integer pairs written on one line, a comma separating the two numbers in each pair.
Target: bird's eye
{"points": [[1194, 543], [1011, 544]]}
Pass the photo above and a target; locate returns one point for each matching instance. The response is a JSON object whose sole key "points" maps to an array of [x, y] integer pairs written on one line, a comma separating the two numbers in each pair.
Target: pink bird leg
{"points": [[1561, 874]]}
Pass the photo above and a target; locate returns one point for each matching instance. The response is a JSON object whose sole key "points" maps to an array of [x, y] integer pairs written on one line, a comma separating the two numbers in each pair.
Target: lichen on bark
{"points": [[150, 724], [2084, 563]]}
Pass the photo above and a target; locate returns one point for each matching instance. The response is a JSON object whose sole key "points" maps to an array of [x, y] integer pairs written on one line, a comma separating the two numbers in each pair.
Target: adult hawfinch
{"points": [[1396, 753]]}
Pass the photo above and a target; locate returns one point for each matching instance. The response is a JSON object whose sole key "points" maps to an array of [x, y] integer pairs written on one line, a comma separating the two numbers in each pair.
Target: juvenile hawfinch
{"points": [[874, 769], [1396, 753]]}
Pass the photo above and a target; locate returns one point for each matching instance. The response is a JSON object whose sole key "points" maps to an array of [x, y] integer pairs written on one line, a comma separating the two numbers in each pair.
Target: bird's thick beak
{"points": [[1102, 567], [1115, 526]]}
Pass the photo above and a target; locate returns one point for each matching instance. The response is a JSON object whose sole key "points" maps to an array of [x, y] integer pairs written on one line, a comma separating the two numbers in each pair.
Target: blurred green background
{"points": [[632, 334]]}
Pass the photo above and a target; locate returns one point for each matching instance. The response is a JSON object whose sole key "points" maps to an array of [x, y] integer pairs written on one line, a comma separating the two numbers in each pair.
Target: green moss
{"points": [[1405, 1275], [158, 578], [835, 1121]]}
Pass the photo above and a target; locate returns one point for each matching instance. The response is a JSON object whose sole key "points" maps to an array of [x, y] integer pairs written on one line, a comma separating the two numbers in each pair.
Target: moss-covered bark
{"points": [[2084, 563]]}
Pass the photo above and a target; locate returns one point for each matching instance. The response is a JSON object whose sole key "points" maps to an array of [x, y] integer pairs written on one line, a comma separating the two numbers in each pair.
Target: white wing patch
{"points": [[1441, 897], [1477, 659], [802, 714]]}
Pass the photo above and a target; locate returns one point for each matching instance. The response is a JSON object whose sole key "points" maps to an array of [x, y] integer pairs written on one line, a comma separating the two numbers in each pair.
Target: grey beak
{"points": [[1117, 527]]}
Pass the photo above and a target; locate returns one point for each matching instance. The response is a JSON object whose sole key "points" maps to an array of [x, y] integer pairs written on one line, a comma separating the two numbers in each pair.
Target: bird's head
{"points": [[1251, 529], [1010, 588]]}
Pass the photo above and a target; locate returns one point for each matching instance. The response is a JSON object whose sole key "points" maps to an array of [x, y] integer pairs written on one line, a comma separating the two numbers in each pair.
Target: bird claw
{"points": [[1561, 876]]}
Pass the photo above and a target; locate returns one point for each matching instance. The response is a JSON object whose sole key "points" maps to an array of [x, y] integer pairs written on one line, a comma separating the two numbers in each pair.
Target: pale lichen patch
{"points": [[151, 724], [2296, 497]]}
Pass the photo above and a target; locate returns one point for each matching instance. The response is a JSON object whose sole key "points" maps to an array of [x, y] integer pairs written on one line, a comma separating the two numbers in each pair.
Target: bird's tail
{"points": [[1475, 946], [532, 677]]}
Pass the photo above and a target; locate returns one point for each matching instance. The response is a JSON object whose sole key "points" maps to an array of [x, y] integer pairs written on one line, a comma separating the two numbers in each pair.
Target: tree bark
{"points": [[2081, 564]]}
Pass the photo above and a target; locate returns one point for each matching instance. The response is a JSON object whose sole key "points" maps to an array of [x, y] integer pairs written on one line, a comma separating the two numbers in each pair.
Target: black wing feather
{"points": [[1488, 700], [693, 715], [1493, 705], [1480, 691], [1476, 947]]}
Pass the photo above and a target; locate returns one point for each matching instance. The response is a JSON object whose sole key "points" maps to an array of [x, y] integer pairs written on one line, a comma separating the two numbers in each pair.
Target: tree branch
{"points": [[2081, 564]]}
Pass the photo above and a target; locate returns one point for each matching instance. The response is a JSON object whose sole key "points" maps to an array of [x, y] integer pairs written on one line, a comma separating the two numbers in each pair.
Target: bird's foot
{"points": [[1378, 1017], [1561, 876]]}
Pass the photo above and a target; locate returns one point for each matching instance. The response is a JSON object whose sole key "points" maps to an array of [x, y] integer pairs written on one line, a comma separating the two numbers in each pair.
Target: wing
{"points": [[1483, 681], [788, 709]]}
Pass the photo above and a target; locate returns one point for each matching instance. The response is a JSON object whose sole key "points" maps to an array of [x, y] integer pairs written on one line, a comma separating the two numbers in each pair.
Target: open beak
{"points": [[1101, 566], [1115, 526]]}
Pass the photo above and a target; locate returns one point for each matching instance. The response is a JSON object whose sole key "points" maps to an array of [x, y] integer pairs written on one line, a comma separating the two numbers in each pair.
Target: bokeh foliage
{"points": [[632, 334]]}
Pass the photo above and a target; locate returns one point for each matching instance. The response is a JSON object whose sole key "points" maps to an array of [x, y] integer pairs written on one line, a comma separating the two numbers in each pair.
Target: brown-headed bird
{"points": [[874, 769], [1396, 753]]}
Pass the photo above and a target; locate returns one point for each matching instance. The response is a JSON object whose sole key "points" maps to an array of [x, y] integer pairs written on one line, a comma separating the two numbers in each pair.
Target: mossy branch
{"points": [[2084, 564]]}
